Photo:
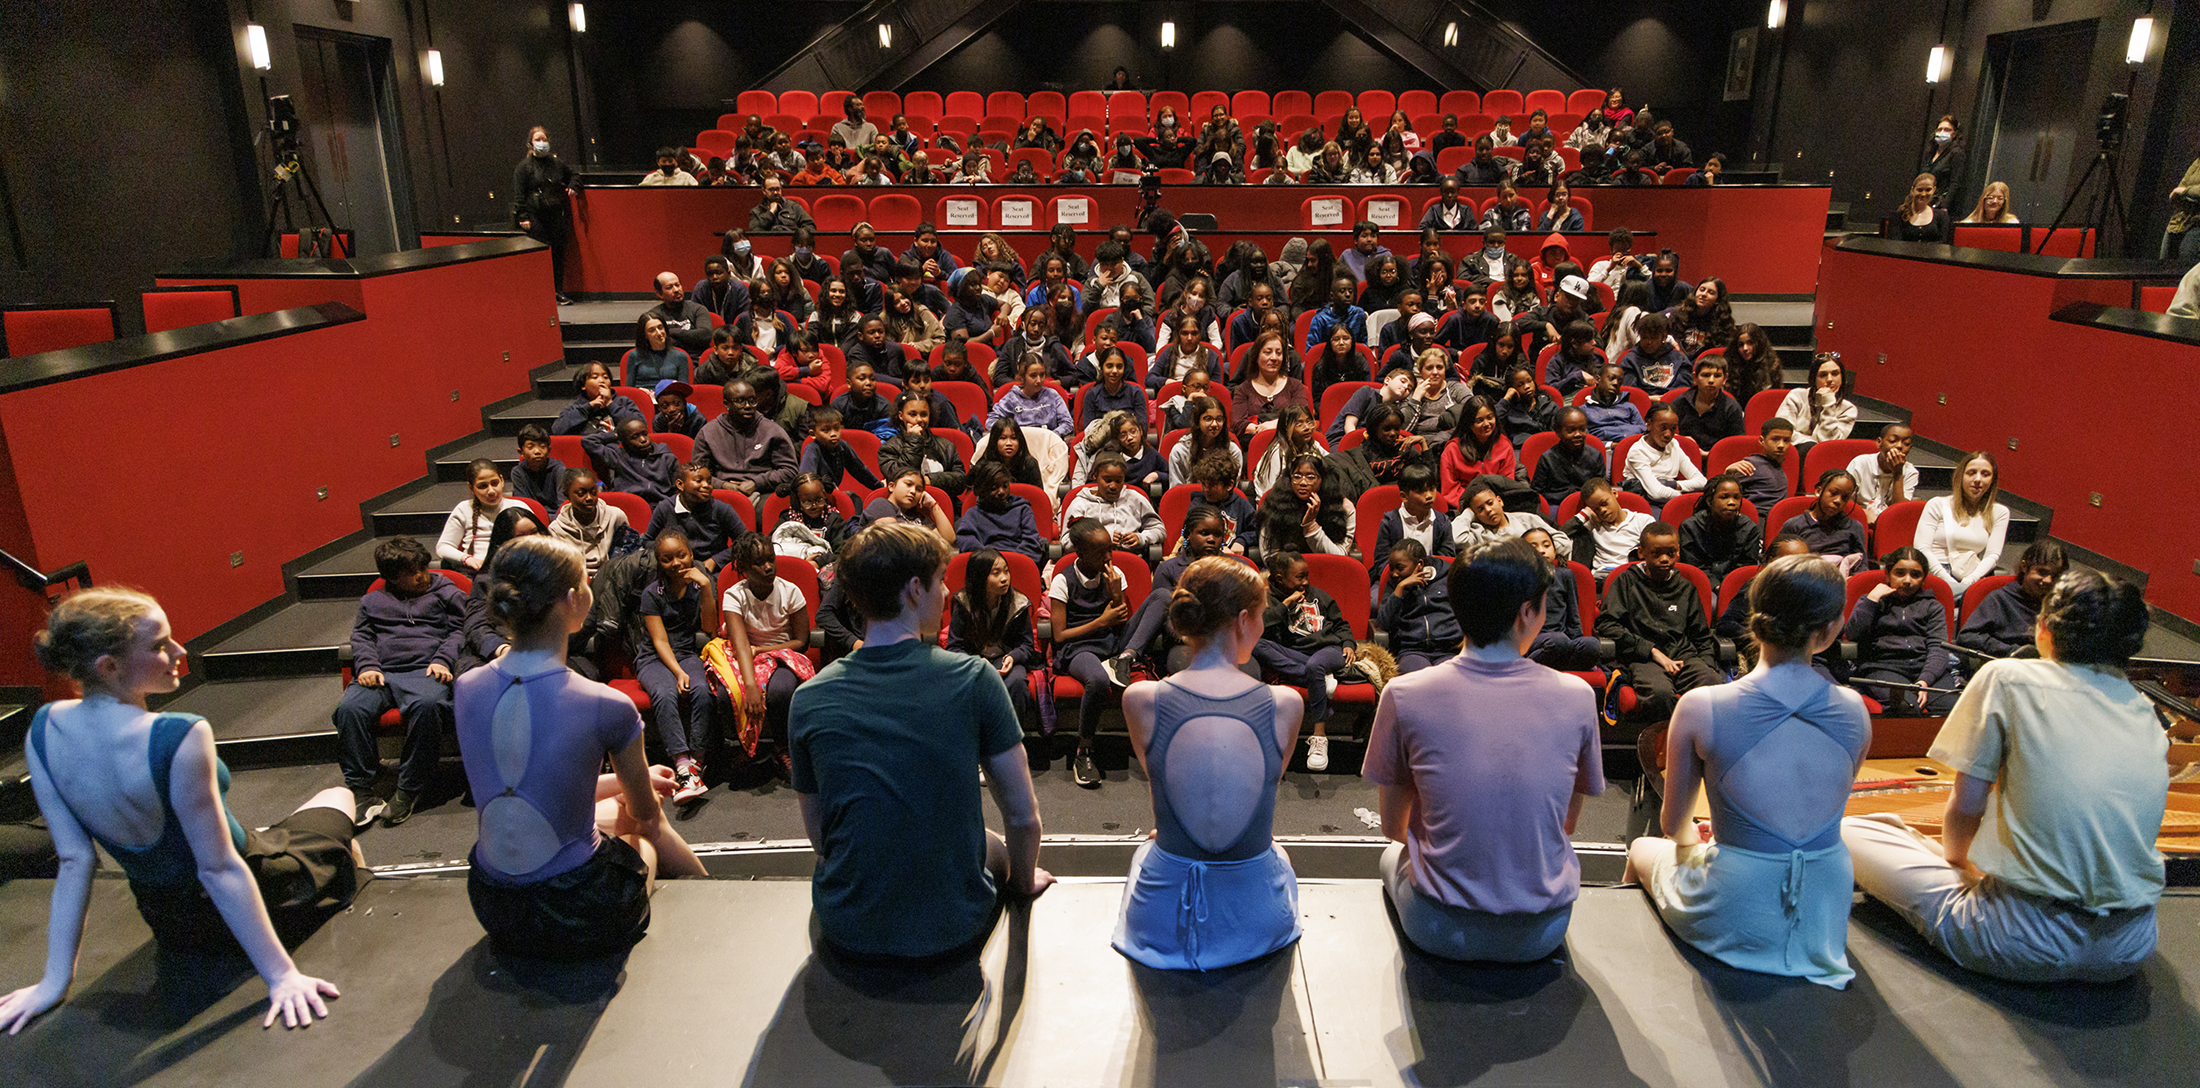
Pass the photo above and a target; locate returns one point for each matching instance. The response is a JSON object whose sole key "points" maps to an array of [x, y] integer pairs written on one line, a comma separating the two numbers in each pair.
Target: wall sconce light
{"points": [[435, 67], [886, 35], [2142, 36], [1451, 34], [1776, 14], [1168, 35], [255, 43], [578, 15], [1936, 65]]}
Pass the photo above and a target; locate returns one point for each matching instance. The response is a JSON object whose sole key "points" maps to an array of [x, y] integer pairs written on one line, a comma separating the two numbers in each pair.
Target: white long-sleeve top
{"points": [[1961, 552], [1834, 422], [465, 537], [1875, 498], [1650, 468], [1129, 513], [1467, 533]]}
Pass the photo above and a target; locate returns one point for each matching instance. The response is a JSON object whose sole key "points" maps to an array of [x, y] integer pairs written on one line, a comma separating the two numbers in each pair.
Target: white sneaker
{"points": [[687, 784], [1317, 753]]}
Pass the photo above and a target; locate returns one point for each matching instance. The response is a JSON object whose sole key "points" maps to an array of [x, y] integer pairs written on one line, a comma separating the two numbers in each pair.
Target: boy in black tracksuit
{"points": [[1571, 463], [1656, 620]]}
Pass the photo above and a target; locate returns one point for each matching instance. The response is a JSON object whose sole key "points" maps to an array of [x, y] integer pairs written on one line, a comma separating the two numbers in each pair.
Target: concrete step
{"points": [[502, 449], [592, 350], [301, 639], [273, 720], [611, 319], [420, 512], [347, 574], [543, 410]]}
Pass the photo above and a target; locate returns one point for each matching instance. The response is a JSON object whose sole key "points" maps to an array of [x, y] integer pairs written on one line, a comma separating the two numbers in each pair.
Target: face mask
{"points": [[1942, 137], [740, 249], [542, 147], [803, 252]]}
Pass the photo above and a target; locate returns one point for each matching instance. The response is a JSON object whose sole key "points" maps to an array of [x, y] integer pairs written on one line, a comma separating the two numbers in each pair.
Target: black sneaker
{"points": [[366, 809], [1081, 766], [401, 807], [1121, 669]]}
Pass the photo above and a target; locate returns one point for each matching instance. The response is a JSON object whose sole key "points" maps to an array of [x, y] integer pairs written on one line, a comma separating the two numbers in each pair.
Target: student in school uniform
{"points": [[767, 620], [1090, 609], [1570, 463], [1305, 641], [405, 642], [1658, 468], [997, 518], [861, 406], [1708, 413], [1885, 477], [633, 463], [1898, 629], [1416, 608], [1763, 474], [537, 476], [1605, 533], [1716, 538], [2003, 622], [1416, 516], [1827, 526], [907, 499], [1124, 511], [1561, 643], [712, 525], [828, 456], [1655, 619], [1486, 521], [1612, 413]]}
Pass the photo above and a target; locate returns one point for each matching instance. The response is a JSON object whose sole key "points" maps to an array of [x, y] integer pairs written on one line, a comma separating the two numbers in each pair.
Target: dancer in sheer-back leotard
{"points": [[1776, 752], [1211, 888]]}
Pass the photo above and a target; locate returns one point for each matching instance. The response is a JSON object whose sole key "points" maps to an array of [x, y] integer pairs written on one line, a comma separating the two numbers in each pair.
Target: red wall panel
{"points": [[156, 474], [265, 296], [2076, 398]]}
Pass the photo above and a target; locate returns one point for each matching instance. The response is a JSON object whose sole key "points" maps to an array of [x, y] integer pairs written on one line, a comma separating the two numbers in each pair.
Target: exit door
{"points": [[352, 141], [2041, 130]]}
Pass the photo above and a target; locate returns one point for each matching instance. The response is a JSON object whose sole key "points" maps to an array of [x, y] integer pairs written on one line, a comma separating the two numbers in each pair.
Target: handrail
{"points": [[28, 575]]}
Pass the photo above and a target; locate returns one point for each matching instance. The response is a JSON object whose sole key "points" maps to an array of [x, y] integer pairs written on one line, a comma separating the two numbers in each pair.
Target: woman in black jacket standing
{"points": [[541, 184], [1944, 160]]}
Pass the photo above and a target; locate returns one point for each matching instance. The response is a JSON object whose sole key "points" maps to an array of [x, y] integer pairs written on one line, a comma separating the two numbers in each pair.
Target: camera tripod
{"points": [[2107, 201], [291, 174]]}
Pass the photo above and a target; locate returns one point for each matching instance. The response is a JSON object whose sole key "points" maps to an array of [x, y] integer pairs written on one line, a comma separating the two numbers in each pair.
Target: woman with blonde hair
{"points": [[1993, 205], [1211, 888], [148, 788], [1961, 534]]}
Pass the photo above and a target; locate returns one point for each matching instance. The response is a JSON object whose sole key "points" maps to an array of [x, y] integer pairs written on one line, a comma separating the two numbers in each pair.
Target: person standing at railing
{"points": [[541, 186]]}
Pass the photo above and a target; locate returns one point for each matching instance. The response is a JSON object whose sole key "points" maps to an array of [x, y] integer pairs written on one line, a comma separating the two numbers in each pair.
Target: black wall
{"points": [[1854, 107], [121, 148], [127, 128]]}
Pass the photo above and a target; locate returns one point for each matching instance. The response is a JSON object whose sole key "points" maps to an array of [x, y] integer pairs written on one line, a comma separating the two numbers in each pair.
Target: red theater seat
{"points": [[802, 104], [879, 107], [895, 212], [1896, 527], [829, 109], [1332, 103], [1585, 101], [1416, 103], [757, 102], [838, 212], [1286, 103], [179, 307], [969, 104], [1005, 104], [1504, 102], [1377, 106], [1463, 103], [28, 330], [1550, 102], [925, 104], [1246, 104]]}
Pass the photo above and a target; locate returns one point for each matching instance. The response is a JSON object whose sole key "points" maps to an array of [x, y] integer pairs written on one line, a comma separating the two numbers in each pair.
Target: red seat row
{"points": [[805, 106]]}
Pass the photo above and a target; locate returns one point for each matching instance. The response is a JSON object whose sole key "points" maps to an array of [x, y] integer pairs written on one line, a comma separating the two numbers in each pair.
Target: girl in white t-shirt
{"points": [[766, 621]]}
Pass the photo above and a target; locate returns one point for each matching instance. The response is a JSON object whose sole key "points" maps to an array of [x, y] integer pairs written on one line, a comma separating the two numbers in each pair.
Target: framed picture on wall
{"points": [[1741, 64]]}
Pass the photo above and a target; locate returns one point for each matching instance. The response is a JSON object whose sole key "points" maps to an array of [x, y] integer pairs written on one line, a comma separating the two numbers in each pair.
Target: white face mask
{"points": [[1943, 137], [542, 147]]}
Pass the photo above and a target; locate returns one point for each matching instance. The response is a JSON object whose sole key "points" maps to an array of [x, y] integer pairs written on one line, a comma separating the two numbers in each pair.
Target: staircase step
{"points": [[300, 639], [347, 574], [502, 449], [607, 352], [544, 410], [559, 384], [611, 319], [267, 720]]}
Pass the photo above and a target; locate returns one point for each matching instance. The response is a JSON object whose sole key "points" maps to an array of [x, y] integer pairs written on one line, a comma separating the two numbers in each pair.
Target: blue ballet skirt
{"points": [[1183, 914]]}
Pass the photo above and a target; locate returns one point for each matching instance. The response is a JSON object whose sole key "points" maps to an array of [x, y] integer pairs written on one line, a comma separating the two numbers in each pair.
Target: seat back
{"points": [[1048, 104], [1330, 104], [1324, 212], [925, 104], [681, 446], [1463, 103], [1980, 588], [1504, 102], [1761, 407], [1637, 397], [1550, 102], [1448, 161], [1023, 577], [743, 506], [1585, 101], [1572, 505], [1835, 453], [1734, 585], [633, 506], [1042, 506], [1864, 582], [864, 443], [1071, 211], [1176, 100], [30, 329], [1287, 103], [1385, 210], [838, 212], [181, 307], [1340, 577], [1376, 106], [1018, 212], [1416, 103], [1896, 527], [1368, 513], [895, 212], [1787, 509], [1137, 576], [1087, 104], [1008, 104], [968, 104], [566, 449], [1245, 104], [758, 102]]}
